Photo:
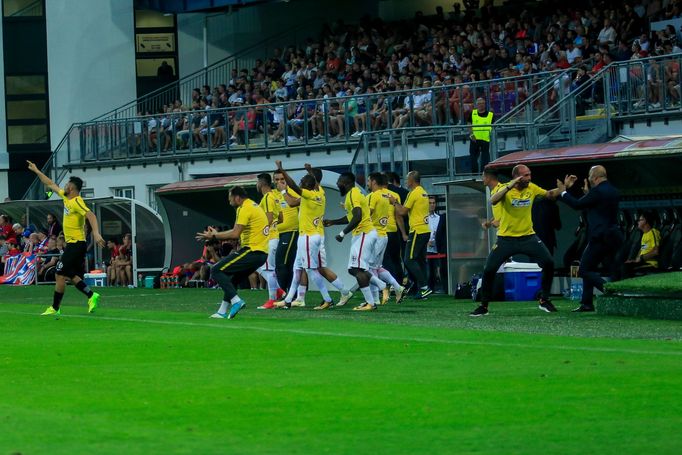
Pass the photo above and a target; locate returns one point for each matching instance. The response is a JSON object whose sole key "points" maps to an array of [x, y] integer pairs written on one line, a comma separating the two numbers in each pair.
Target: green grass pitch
{"points": [[150, 373]]}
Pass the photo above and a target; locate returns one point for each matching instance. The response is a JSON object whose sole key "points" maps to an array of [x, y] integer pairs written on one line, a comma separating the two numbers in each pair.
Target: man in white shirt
{"points": [[431, 247], [607, 35]]}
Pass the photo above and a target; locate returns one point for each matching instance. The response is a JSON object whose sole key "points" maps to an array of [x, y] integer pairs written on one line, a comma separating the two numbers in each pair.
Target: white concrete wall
{"points": [[91, 60], [138, 177], [4, 157], [228, 33]]}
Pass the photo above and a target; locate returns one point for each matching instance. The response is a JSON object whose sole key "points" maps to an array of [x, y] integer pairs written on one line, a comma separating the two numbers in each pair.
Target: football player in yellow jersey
{"points": [[288, 241], [252, 229], [382, 211], [71, 263], [271, 205], [416, 206], [359, 223], [516, 236], [311, 254], [491, 180]]}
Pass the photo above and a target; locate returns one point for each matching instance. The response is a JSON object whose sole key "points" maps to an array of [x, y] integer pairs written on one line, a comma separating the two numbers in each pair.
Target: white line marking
{"points": [[232, 326]]}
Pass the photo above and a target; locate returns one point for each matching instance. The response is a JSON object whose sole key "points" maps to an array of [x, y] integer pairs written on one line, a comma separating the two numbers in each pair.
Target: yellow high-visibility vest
{"points": [[481, 133]]}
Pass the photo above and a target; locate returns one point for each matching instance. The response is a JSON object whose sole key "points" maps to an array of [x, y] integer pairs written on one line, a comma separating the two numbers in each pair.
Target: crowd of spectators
{"points": [[327, 76], [21, 237]]}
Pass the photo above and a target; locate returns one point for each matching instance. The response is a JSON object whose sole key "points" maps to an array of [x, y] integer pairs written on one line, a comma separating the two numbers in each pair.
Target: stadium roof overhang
{"points": [[622, 150], [194, 6], [208, 184]]}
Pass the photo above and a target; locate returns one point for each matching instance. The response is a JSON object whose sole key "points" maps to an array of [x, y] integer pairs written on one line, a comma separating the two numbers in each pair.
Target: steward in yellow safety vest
{"points": [[481, 126]]}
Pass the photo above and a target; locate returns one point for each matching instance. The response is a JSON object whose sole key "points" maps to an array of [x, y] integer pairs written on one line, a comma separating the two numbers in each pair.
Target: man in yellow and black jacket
{"points": [[481, 127]]}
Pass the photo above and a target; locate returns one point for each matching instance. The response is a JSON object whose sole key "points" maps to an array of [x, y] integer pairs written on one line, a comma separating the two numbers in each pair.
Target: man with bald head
{"points": [[516, 236], [601, 201]]}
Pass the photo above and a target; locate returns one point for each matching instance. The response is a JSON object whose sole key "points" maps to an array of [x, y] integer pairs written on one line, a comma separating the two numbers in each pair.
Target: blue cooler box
{"points": [[521, 281]]}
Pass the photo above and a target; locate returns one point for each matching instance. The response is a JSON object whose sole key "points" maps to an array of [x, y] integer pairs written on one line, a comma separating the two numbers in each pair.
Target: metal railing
{"points": [[575, 111], [396, 150]]}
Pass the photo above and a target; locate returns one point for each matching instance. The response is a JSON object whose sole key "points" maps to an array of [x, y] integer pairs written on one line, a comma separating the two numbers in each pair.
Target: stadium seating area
{"points": [[376, 75]]}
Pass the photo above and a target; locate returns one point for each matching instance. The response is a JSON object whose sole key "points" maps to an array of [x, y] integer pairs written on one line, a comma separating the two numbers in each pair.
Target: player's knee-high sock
{"points": [[81, 286], [319, 282], [367, 293], [375, 292], [300, 295], [386, 276], [273, 285], [294, 285], [375, 281], [57, 299], [338, 284]]}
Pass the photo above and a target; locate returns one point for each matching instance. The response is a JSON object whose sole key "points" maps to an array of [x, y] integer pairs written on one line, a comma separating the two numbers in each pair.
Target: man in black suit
{"points": [[601, 201]]}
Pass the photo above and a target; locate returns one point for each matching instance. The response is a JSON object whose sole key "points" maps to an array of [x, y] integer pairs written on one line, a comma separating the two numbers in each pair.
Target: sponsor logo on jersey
{"points": [[520, 203]]}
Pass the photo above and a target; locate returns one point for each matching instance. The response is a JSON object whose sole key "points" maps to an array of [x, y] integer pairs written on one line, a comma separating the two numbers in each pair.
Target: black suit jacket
{"points": [[601, 205]]}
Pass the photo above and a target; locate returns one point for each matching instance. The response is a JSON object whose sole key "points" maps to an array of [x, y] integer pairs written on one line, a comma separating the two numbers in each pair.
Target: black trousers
{"points": [[285, 258], [393, 257], [506, 247], [478, 149], [415, 257], [236, 266], [602, 250], [434, 268]]}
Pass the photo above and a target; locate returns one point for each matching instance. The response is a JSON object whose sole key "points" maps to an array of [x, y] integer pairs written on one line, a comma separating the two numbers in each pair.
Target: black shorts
{"points": [[242, 262], [72, 262]]}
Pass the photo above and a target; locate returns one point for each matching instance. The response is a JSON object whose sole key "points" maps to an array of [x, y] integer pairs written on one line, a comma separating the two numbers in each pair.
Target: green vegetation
{"points": [[150, 373]]}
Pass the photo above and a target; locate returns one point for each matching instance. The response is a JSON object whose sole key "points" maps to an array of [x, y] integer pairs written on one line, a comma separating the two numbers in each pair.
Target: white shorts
{"points": [[269, 265], [378, 253], [311, 253], [362, 250]]}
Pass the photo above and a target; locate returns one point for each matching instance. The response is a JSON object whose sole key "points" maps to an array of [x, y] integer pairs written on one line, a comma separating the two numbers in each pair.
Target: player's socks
{"points": [[273, 286], [300, 294], [81, 286], [376, 282], [375, 292], [319, 282], [386, 276], [367, 293], [223, 307], [338, 284], [57, 300]]}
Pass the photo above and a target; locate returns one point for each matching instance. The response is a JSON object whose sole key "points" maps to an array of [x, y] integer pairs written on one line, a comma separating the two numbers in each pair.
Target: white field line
{"points": [[234, 326]]}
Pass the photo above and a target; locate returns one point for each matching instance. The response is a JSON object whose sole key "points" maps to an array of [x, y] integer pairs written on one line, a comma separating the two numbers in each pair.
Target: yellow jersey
{"points": [[354, 198], [289, 214], [650, 240], [379, 209], [517, 206], [392, 226], [270, 203], [256, 232], [311, 212], [417, 203], [497, 208], [74, 218]]}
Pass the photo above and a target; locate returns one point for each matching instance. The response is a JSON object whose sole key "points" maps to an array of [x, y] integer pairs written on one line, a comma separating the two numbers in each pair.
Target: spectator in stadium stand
{"points": [[6, 227], [18, 231], [607, 35], [481, 127], [124, 262], [47, 264], [112, 247], [53, 226], [4, 250]]}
